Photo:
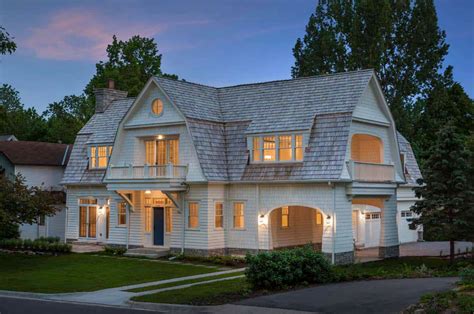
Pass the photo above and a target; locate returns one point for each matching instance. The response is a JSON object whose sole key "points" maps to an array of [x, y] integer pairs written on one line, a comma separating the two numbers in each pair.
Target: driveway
{"points": [[377, 296]]}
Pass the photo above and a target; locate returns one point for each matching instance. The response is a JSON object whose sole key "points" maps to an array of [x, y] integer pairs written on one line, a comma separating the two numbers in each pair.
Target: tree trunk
{"points": [[451, 251]]}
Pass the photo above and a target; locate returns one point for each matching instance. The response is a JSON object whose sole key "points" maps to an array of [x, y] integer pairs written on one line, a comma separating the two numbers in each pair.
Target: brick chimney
{"points": [[105, 96]]}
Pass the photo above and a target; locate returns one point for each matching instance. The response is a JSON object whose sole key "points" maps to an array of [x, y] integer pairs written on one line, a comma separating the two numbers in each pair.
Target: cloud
{"points": [[79, 34]]}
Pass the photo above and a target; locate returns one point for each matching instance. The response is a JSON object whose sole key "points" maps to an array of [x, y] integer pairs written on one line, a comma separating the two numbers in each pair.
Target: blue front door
{"points": [[158, 219]]}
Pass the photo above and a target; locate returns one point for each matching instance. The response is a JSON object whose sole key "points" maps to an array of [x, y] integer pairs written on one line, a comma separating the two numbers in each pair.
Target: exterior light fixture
{"points": [[262, 220], [147, 192], [328, 217], [160, 137]]}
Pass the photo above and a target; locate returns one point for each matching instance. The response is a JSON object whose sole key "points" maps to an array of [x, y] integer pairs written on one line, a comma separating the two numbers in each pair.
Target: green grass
{"points": [[82, 272], [184, 282], [219, 292]]}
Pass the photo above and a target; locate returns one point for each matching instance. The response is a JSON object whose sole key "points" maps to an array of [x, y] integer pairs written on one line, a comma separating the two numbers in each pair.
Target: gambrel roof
{"points": [[220, 119], [413, 172]]}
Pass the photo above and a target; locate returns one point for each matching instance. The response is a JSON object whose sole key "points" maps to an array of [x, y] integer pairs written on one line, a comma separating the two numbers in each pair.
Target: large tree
{"points": [[66, 117], [20, 204], [25, 124], [400, 40], [7, 45], [446, 204], [130, 64]]}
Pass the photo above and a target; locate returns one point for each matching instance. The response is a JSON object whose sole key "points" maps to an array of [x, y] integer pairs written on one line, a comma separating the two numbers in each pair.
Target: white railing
{"points": [[371, 172], [169, 171]]}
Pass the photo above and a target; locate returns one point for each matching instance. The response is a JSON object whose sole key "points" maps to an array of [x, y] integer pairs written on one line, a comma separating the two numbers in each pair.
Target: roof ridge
{"points": [[272, 81]]}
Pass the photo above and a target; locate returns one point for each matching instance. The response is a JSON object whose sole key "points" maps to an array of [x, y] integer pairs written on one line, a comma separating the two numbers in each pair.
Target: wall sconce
{"points": [[328, 220], [160, 137], [101, 210], [262, 220], [147, 192]]}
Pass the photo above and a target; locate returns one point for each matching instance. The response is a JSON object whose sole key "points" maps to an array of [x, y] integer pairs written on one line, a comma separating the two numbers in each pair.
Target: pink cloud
{"points": [[78, 34]]}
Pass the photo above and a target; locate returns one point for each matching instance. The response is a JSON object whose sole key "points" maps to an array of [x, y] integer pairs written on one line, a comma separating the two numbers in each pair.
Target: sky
{"points": [[213, 42]]}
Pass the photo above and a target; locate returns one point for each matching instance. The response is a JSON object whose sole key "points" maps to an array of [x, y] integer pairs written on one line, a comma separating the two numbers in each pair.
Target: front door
{"points": [[158, 226]]}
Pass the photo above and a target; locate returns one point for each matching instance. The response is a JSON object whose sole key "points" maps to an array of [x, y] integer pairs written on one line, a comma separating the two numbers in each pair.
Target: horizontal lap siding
{"points": [[369, 106], [216, 193], [197, 238], [246, 238], [389, 230]]}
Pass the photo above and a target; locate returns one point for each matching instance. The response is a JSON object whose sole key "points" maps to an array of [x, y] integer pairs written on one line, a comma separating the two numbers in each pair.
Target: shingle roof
{"points": [[100, 129], [411, 165], [36, 153]]}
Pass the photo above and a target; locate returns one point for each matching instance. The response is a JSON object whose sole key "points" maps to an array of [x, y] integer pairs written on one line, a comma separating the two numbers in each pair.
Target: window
{"points": [[122, 213], [169, 219], [157, 107], [285, 148], [406, 213], [282, 148], [269, 148], [162, 152], [284, 217], [299, 147], [367, 216], [148, 217], [319, 218], [87, 217], [239, 220], [376, 216], [99, 156], [403, 161], [193, 215], [41, 220], [257, 146], [219, 215]]}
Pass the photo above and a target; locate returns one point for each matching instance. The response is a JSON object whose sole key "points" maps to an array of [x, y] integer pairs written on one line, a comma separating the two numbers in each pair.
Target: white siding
{"points": [[217, 237], [369, 106], [50, 176], [389, 230]]}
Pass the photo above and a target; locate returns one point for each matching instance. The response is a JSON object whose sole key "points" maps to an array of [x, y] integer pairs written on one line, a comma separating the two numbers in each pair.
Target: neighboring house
{"points": [[8, 138], [41, 164], [252, 167]]}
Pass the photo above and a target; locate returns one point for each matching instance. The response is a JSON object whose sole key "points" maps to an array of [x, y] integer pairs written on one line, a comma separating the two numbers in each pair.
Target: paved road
{"points": [[377, 296]]}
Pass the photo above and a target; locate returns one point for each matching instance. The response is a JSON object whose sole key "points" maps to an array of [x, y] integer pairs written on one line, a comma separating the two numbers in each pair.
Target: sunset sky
{"points": [[208, 41]]}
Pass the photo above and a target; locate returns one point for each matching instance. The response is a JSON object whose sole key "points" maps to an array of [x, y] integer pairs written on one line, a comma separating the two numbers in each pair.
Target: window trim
{"points": [[188, 216], [109, 149], [168, 220], [233, 216], [287, 217], [261, 148], [122, 214], [222, 215], [162, 107]]}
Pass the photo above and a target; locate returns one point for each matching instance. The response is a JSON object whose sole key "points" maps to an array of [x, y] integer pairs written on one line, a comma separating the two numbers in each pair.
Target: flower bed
{"points": [[38, 245]]}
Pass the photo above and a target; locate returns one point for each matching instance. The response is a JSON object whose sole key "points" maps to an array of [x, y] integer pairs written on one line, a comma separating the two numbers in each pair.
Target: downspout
{"points": [[183, 212], [257, 192], [128, 225], [333, 257], [65, 225]]}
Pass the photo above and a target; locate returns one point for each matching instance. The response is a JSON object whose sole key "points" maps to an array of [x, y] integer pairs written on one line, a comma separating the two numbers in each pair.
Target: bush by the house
{"points": [[286, 268], [467, 276], [49, 239], [35, 246], [115, 250]]}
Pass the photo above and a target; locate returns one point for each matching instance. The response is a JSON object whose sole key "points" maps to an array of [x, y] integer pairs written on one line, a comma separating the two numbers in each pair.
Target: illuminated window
{"points": [[239, 220], [257, 146], [162, 152], [284, 217], [99, 156], [193, 215], [157, 106], [219, 215], [319, 219], [285, 149], [299, 147], [122, 213], [87, 217], [148, 217], [169, 219], [269, 148]]}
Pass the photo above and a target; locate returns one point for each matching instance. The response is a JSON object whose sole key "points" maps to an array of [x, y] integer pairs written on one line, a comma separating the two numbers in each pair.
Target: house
{"points": [[41, 164], [8, 138], [254, 167]]}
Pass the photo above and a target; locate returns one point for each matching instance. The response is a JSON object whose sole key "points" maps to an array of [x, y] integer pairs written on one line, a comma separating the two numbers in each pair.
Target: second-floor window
{"points": [[277, 148], [99, 156], [162, 151]]}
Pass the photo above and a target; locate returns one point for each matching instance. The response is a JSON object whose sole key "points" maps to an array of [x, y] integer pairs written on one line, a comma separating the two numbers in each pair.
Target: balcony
{"points": [[144, 177], [371, 172]]}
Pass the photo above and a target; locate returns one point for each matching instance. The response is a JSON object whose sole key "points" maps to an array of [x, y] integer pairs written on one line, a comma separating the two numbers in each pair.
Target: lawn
{"points": [[236, 289], [83, 272]]}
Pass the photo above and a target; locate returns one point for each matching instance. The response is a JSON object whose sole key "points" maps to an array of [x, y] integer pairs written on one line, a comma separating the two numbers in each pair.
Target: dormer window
{"points": [[99, 156], [277, 148]]}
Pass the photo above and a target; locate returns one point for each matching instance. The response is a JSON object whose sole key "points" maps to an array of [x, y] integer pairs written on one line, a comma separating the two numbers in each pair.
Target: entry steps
{"points": [[147, 252]]}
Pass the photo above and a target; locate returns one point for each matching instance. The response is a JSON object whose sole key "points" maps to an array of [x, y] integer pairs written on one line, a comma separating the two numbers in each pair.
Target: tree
{"points": [[400, 40], [7, 45], [130, 64], [66, 117], [20, 204], [25, 124], [446, 203]]}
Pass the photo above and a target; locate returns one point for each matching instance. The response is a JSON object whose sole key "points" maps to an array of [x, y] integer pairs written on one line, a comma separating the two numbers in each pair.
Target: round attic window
{"points": [[157, 107]]}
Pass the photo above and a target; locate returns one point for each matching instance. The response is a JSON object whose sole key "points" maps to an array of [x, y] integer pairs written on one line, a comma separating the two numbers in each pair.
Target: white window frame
{"points": [[262, 160], [243, 215], [119, 214], [188, 212], [222, 216], [287, 217], [109, 149]]}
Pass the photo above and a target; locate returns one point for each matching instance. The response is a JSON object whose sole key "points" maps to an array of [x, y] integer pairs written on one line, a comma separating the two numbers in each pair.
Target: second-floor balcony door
{"points": [[160, 153]]}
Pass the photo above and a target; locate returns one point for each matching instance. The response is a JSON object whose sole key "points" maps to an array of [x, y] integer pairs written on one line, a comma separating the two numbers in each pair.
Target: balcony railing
{"points": [[133, 172], [371, 172]]}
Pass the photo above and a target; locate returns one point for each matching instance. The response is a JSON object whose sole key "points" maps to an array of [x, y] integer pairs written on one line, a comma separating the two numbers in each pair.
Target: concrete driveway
{"points": [[377, 296]]}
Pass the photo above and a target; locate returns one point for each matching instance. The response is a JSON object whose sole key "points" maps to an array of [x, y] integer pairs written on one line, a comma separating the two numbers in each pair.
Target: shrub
{"points": [[281, 269], [9, 231], [114, 250], [467, 276], [48, 239], [225, 260], [37, 245]]}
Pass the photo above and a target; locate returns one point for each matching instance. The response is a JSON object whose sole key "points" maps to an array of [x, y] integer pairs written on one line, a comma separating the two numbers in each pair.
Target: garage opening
{"points": [[293, 226], [366, 222]]}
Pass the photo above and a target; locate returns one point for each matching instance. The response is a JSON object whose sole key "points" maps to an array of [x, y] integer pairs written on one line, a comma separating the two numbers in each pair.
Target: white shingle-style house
{"points": [[206, 170]]}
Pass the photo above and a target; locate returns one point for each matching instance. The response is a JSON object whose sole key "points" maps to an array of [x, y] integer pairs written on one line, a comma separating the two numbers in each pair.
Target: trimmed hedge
{"points": [[113, 250], [37, 245], [286, 268], [225, 260]]}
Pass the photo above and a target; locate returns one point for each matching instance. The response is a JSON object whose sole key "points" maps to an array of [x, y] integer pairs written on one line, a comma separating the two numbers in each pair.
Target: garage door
{"points": [[372, 229]]}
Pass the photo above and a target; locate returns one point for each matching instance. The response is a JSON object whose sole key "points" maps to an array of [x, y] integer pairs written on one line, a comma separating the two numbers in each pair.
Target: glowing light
{"points": [[262, 220], [147, 192], [160, 137]]}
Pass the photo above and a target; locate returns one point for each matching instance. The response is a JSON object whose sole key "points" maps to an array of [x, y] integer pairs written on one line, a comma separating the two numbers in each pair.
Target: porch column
{"points": [[337, 229], [389, 243]]}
